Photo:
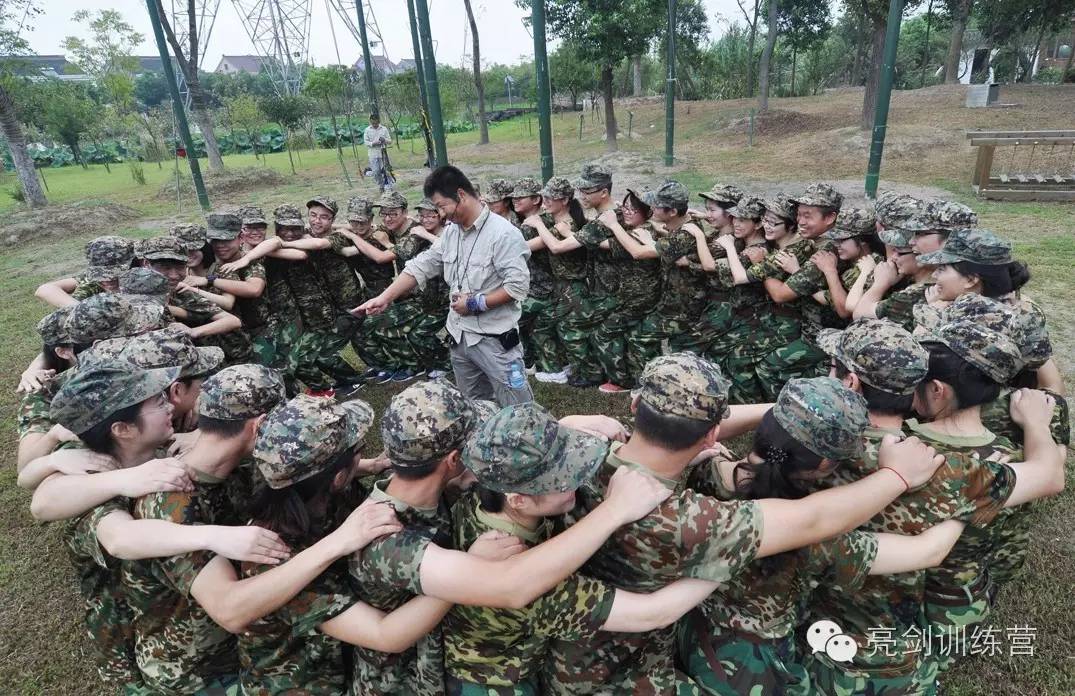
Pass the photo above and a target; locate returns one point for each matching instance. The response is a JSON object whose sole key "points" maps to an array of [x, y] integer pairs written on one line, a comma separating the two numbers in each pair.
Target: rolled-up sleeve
{"points": [[509, 259], [426, 265]]}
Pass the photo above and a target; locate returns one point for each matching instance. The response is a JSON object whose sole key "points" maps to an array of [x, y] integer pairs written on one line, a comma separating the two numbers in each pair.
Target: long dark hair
{"points": [[972, 387], [574, 209], [51, 361], [997, 281]]}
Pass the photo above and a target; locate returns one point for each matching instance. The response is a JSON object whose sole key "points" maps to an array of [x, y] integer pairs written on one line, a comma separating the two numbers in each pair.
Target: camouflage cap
{"points": [[426, 204], [559, 188], [780, 205], [824, 416], [484, 409], [882, 353], [853, 222], [99, 317], [897, 237], [359, 209], [146, 314], [391, 199], [164, 248], [425, 422], [141, 280], [498, 190], [671, 194], [523, 449], [303, 437], [726, 194], [288, 215], [893, 209], [223, 225], [821, 195], [191, 237], [1024, 325], [526, 187], [594, 176], [324, 202], [53, 327], [748, 208], [107, 257], [92, 395], [949, 215], [252, 215], [239, 392], [161, 348], [990, 351], [683, 384], [972, 244]]}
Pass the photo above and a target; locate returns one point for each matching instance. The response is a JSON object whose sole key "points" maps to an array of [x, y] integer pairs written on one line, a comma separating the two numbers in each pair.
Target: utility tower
{"points": [[345, 10], [205, 12], [280, 32]]}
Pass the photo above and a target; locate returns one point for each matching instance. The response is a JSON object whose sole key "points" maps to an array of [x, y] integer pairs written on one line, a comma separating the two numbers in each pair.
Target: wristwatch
{"points": [[210, 279]]}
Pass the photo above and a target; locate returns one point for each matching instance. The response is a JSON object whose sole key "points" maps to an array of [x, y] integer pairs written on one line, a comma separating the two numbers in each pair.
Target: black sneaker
{"points": [[583, 383], [345, 390], [369, 374]]}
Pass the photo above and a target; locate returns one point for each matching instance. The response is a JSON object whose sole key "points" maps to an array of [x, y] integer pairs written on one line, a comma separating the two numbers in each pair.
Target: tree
{"points": [[752, 22], [326, 85], [150, 89], [606, 32], [877, 13], [767, 55], [1021, 26], [289, 112], [483, 125], [692, 31], [959, 11], [243, 112], [13, 45], [187, 60], [803, 24], [68, 114], [569, 72], [109, 49]]}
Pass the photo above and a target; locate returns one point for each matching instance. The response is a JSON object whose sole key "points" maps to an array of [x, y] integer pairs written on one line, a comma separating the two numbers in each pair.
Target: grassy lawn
{"points": [[40, 626]]}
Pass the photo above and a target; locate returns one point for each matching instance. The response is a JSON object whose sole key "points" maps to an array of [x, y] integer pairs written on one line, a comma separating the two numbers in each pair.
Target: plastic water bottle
{"points": [[516, 376]]}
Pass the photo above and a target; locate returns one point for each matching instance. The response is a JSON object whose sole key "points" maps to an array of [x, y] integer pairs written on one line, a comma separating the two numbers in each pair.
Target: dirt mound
{"points": [[778, 122], [70, 218], [227, 181]]}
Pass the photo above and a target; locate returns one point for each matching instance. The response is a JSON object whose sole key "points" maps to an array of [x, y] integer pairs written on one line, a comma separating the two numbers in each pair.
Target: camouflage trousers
{"points": [[456, 687], [318, 363], [725, 664], [576, 318], [644, 341], [952, 615], [220, 686], [538, 331], [405, 336], [610, 340], [799, 358], [274, 346], [830, 679], [751, 340]]}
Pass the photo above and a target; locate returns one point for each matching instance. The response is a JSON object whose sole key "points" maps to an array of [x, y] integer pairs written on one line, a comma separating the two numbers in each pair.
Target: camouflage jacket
{"points": [[339, 279], [604, 272], [688, 535], [280, 307], [376, 276], [498, 648], [386, 575], [815, 316], [312, 301], [86, 288], [851, 275], [434, 296], [540, 266], [33, 415], [683, 289], [571, 265], [254, 312], [996, 417], [898, 305], [235, 344]]}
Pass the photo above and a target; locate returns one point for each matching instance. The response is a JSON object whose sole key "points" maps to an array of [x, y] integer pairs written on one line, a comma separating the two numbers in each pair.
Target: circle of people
{"points": [[230, 535]]}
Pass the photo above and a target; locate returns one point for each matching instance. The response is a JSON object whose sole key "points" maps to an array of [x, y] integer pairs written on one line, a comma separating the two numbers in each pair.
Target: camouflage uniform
{"points": [[190, 236], [33, 414], [109, 315], [498, 190], [252, 311], [143, 283], [537, 325], [106, 258], [973, 244]]}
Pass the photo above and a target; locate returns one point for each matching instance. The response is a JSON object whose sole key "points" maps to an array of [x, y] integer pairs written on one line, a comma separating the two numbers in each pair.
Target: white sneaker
{"points": [[436, 374], [531, 370], [567, 370], [551, 377]]}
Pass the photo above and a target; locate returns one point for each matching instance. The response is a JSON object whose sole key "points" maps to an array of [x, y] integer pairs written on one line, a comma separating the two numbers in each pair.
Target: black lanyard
{"points": [[459, 253]]}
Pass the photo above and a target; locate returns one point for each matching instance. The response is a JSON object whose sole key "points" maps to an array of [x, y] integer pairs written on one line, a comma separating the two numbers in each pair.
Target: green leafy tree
{"points": [[68, 115], [326, 85], [802, 22], [12, 14], [959, 12], [569, 72], [479, 86], [150, 89], [288, 111], [109, 48], [244, 113], [1020, 26]]}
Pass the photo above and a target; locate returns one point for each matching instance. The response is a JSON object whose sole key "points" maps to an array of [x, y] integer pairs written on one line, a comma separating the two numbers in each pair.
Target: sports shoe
{"points": [[567, 370], [582, 382], [383, 377], [369, 373], [610, 388], [437, 374], [403, 375], [532, 370], [322, 393], [551, 377], [346, 390]]}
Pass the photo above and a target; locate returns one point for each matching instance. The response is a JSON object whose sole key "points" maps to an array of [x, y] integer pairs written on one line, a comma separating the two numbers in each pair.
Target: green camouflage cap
{"points": [[748, 208], [726, 194], [559, 188], [853, 222], [594, 176], [893, 209], [53, 327], [896, 237], [99, 317], [824, 416], [425, 422], [523, 449], [252, 215], [391, 199], [240, 392], [107, 257], [146, 314], [426, 204], [646, 196], [671, 194], [324, 202], [882, 353], [498, 190], [484, 409], [288, 215], [683, 384], [191, 237], [160, 348], [94, 394], [780, 205], [304, 436], [143, 281], [223, 225], [948, 216], [359, 209], [526, 187], [821, 195], [164, 248], [990, 351], [1024, 325], [972, 244]]}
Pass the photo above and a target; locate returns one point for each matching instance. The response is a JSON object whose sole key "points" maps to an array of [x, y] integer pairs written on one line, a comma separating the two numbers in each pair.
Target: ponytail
{"points": [[574, 209], [1019, 274], [781, 458]]}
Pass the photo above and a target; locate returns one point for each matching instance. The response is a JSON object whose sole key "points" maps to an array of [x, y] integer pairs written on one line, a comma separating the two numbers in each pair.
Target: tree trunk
{"points": [[955, 42], [287, 146], [873, 81], [483, 138], [20, 156], [1067, 65], [750, 51], [855, 79], [610, 115], [766, 57], [199, 107], [794, 60], [636, 74]]}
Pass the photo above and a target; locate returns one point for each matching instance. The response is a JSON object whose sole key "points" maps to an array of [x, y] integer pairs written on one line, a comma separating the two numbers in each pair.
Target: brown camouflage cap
{"points": [[824, 416], [526, 187], [425, 422], [559, 188], [142, 280], [780, 205], [523, 449], [426, 204], [594, 176], [893, 209], [223, 225], [497, 190], [1024, 324], [853, 222], [671, 194], [748, 208], [821, 195], [288, 215], [94, 394], [252, 215], [146, 314], [239, 392], [391, 199], [164, 248], [99, 317], [159, 348], [990, 351], [324, 202], [973, 244], [191, 237], [303, 437], [882, 353], [725, 194], [683, 384], [107, 257], [53, 327], [359, 209]]}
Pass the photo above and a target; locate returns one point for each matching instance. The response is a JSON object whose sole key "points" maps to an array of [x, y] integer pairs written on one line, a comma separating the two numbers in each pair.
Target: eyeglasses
{"points": [[160, 403], [391, 213]]}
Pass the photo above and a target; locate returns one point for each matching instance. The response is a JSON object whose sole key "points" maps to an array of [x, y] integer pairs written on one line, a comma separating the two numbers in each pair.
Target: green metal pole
{"points": [[432, 87], [670, 90], [177, 105], [421, 75], [367, 60], [884, 96], [544, 89]]}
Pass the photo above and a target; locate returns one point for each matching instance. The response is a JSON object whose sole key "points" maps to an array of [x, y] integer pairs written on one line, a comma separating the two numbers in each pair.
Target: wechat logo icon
{"points": [[827, 637]]}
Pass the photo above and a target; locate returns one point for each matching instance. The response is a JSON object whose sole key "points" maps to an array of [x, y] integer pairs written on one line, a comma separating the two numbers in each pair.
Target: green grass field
{"points": [[40, 630]]}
